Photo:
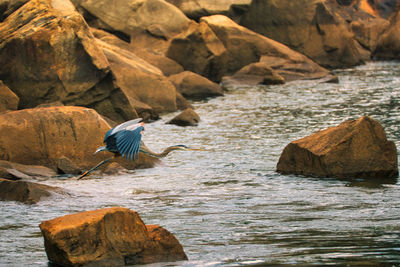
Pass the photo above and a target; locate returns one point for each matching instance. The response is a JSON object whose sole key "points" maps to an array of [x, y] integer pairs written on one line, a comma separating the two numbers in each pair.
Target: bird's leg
{"points": [[95, 167]]}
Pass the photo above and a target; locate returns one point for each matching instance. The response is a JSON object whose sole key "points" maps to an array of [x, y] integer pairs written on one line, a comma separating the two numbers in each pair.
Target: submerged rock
{"points": [[108, 237], [353, 149], [24, 191]]}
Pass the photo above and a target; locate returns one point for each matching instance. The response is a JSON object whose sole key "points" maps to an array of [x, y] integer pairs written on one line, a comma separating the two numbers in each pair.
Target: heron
{"points": [[125, 140]]}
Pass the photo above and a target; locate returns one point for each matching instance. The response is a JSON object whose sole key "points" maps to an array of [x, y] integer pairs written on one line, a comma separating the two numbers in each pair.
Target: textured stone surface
{"points": [[353, 149], [108, 237]]}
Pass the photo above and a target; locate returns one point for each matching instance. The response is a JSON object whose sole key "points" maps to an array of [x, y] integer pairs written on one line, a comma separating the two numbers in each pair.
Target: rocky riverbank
{"points": [[72, 69]]}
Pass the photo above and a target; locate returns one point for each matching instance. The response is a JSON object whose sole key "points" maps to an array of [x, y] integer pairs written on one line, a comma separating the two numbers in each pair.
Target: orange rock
{"points": [[107, 237], [188, 117], [355, 148], [8, 100], [42, 136]]}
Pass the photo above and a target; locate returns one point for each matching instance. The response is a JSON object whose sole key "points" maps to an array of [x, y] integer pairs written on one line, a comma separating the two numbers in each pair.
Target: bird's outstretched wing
{"points": [[128, 142], [121, 127]]}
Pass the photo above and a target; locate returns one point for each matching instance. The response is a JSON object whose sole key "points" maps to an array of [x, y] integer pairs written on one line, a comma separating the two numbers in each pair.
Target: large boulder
{"points": [[353, 149], [42, 136], [195, 86], [388, 46], [139, 80], [147, 22], [49, 54], [195, 9], [25, 192], [199, 50], [8, 100], [108, 237], [245, 46], [295, 23]]}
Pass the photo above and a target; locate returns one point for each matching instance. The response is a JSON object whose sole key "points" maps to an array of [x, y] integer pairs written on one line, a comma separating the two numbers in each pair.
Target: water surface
{"points": [[227, 205]]}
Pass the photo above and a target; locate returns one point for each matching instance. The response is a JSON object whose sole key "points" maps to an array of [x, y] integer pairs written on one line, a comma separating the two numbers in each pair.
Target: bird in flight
{"points": [[125, 140]]}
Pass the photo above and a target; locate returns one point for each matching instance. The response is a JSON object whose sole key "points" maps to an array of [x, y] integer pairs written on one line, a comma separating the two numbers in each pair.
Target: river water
{"points": [[227, 205]]}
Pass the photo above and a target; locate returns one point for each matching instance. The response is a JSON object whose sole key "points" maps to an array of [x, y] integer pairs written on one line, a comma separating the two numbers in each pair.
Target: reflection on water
{"points": [[227, 205]]}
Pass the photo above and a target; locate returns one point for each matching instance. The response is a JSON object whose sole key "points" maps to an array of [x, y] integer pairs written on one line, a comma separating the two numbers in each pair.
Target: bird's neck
{"points": [[159, 155]]}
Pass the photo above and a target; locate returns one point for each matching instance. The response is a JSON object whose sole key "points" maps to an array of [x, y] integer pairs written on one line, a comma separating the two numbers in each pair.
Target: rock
{"points": [[41, 136], [194, 86], [8, 100], [384, 7], [245, 47], [16, 175], [199, 50], [367, 32], [295, 23], [388, 45], [195, 9], [139, 80], [254, 74], [107, 237], [25, 192], [114, 168], [9, 6], [186, 118], [68, 65], [35, 171], [147, 22], [66, 166], [353, 149]]}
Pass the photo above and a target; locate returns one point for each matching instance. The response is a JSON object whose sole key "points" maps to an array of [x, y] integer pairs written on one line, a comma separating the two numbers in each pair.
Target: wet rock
{"points": [[194, 86], [186, 118], [41, 136], [195, 9], [69, 66], [245, 46], [66, 166], [199, 50], [27, 171], [107, 237], [353, 149], [24, 191], [295, 23], [8, 100], [114, 168], [388, 46], [254, 74]]}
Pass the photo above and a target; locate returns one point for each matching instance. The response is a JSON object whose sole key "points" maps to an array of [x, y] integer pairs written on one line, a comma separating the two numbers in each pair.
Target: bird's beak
{"points": [[195, 149]]}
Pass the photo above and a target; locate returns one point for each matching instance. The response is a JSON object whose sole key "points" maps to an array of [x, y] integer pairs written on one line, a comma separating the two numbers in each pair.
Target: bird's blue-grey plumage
{"points": [[124, 139]]}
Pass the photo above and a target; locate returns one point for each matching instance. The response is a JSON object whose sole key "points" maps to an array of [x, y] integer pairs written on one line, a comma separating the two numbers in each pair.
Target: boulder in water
{"points": [[353, 149]]}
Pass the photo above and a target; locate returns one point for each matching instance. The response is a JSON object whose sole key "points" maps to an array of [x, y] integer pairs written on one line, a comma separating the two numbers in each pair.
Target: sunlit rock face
{"points": [[42, 136], [49, 54], [353, 149], [108, 237], [244, 47], [308, 27]]}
